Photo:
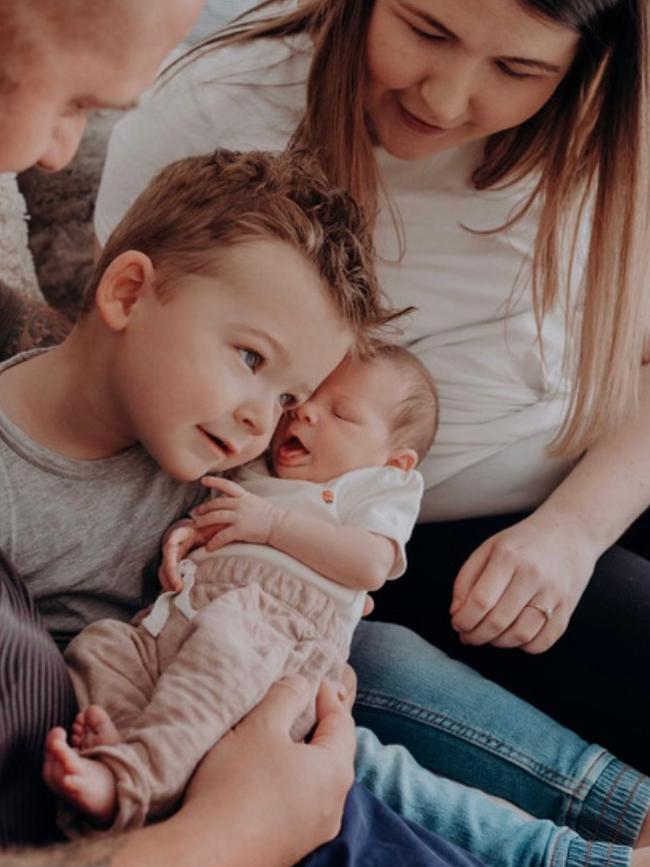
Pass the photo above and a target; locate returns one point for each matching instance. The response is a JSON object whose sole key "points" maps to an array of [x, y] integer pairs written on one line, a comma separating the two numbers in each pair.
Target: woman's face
{"points": [[443, 72], [49, 83]]}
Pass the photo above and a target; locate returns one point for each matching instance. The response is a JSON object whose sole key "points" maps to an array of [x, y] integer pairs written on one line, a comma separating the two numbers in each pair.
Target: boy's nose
{"points": [[257, 418]]}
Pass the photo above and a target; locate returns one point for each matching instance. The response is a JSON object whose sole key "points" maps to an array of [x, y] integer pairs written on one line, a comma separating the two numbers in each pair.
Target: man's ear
{"points": [[128, 278], [403, 459]]}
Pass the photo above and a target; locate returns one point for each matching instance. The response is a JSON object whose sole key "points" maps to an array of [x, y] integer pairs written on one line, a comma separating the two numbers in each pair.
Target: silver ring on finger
{"points": [[547, 612]]}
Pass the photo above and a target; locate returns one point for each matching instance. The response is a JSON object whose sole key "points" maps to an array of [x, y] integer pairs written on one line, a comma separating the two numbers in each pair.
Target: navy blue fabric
{"points": [[372, 835]]}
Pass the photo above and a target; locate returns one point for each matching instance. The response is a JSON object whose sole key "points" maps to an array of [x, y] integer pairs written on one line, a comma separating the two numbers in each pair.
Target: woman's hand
{"points": [[521, 586], [272, 799]]}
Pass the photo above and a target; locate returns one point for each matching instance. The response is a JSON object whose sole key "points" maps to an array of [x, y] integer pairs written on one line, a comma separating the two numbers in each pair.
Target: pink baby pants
{"points": [[173, 696]]}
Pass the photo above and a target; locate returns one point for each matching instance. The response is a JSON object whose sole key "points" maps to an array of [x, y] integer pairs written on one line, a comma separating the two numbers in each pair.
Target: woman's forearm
{"points": [[610, 486]]}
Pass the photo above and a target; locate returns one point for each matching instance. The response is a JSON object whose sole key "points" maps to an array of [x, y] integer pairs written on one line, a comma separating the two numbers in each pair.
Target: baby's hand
{"points": [[242, 517]]}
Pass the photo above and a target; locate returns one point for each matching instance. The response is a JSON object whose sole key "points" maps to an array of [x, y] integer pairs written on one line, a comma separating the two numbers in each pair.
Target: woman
{"points": [[503, 144]]}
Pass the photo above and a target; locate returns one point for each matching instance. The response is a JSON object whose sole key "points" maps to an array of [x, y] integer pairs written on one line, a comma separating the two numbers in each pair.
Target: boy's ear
{"points": [[128, 278], [403, 459]]}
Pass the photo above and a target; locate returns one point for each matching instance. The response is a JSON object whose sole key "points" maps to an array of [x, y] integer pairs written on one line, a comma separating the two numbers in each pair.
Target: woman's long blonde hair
{"points": [[588, 148]]}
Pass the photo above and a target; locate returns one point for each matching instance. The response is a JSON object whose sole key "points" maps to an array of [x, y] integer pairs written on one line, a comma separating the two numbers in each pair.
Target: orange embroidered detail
{"points": [[328, 496]]}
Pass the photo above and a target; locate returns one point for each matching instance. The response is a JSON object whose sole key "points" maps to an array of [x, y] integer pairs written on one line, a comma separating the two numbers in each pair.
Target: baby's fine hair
{"points": [[198, 206], [415, 419]]}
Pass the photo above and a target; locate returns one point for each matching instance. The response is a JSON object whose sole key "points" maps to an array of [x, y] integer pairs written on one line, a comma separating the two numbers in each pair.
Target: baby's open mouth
{"points": [[291, 450]]}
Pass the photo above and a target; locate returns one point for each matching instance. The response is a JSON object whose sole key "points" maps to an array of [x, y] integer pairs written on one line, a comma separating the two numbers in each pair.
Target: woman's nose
{"points": [[448, 94]]}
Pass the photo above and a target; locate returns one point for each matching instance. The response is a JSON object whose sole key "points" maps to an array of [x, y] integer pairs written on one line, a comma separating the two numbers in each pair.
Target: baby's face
{"points": [[344, 426]]}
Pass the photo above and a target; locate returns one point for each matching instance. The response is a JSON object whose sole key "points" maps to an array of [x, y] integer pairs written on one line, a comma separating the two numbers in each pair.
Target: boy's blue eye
{"points": [[251, 358], [288, 400]]}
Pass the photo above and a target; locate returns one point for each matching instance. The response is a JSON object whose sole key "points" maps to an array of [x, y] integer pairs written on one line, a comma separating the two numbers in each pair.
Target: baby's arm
{"points": [[351, 556]]}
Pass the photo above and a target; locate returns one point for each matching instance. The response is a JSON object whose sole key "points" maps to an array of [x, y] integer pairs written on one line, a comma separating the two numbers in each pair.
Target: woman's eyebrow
{"points": [[537, 64], [430, 20], [523, 61]]}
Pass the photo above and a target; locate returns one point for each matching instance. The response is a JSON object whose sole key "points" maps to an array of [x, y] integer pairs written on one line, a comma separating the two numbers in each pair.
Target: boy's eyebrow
{"points": [[524, 61], [277, 347]]}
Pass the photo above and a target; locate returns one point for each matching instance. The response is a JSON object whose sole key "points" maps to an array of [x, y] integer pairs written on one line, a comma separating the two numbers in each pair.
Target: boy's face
{"points": [[344, 426], [202, 377]]}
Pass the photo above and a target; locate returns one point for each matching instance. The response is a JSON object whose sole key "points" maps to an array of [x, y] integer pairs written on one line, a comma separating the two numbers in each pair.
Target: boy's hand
{"points": [[179, 541], [242, 517]]}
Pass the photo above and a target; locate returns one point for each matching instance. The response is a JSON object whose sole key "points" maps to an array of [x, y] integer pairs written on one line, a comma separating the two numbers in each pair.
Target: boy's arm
{"points": [[351, 556]]}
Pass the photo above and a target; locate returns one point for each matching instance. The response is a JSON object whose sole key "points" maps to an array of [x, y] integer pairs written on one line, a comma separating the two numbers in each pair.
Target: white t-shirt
{"points": [[501, 400], [383, 500]]}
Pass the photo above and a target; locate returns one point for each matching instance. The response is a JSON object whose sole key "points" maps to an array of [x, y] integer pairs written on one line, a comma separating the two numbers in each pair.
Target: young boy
{"points": [[328, 524], [185, 354]]}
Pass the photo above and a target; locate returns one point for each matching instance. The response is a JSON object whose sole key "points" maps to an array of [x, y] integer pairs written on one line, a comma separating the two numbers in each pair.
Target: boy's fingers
{"points": [[226, 486], [223, 537], [282, 705], [221, 516]]}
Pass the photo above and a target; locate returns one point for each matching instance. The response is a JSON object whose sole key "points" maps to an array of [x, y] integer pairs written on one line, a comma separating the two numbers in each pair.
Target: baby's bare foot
{"points": [[93, 728], [85, 783]]}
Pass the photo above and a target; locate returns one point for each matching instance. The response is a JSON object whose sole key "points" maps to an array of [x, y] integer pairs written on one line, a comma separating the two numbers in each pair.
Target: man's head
{"points": [[60, 60], [229, 291], [377, 411]]}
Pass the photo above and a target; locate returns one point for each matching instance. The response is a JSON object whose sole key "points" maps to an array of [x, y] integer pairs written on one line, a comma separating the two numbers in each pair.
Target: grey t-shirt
{"points": [[84, 535]]}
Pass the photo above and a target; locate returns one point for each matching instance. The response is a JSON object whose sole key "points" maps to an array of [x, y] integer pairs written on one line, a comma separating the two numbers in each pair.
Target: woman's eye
{"points": [[251, 359], [288, 401], [424, 34], [511, 72]]}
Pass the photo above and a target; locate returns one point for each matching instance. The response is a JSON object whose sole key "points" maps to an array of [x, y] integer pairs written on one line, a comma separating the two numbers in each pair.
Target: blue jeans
{"points": [[461, 726]]}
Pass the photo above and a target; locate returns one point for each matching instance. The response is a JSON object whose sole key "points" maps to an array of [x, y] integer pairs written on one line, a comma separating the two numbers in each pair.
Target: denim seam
{"points": [[567, 785]]}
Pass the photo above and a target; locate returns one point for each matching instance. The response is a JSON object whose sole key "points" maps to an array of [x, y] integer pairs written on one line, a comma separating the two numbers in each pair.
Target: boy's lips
{"points": [[223, 447]]}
